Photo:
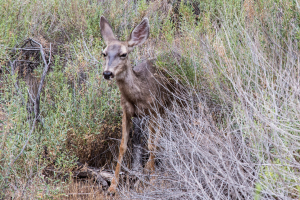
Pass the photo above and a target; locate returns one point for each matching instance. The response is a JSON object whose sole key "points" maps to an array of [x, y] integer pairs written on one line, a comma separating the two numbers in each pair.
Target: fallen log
{"points": [[101, 176]]}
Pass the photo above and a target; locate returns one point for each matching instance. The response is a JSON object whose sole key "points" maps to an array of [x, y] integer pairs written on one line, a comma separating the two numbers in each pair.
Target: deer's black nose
{"points": [[107, 75]]}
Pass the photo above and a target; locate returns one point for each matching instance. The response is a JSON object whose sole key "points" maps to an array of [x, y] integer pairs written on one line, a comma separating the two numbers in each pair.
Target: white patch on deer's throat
{"points": [[104, 50], [123, 49]]}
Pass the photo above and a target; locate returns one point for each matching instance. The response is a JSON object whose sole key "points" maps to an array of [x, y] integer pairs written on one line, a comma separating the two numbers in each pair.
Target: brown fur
{"points": [[141, 88]]}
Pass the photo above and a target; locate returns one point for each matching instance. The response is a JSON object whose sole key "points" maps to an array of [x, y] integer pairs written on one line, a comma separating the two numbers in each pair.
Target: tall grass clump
{"points": [[238, 136]]}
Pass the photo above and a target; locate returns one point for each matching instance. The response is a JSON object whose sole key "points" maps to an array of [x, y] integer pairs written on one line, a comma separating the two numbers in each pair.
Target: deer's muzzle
{"points": [[108, 75]]}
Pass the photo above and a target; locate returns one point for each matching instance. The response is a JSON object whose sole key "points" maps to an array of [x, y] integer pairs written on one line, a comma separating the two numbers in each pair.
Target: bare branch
{"points": [[37, 97], [46, 67], [49, 59], [30, 96]]}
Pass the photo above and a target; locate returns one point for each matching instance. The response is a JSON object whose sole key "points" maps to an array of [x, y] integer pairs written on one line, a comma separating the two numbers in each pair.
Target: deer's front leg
{"points": [[125, 134], [152, 140]]}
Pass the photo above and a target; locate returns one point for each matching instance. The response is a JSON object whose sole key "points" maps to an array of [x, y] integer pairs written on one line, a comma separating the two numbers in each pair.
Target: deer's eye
{"points": [[123, 55], [104, 54]]}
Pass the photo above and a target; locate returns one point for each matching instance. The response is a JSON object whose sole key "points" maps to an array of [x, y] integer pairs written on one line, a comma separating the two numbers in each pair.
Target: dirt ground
{"points": [[87, 190]]}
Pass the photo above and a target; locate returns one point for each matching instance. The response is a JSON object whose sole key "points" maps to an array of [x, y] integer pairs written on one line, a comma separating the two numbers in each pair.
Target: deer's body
{"points": [[141, 88], [135, 89]]}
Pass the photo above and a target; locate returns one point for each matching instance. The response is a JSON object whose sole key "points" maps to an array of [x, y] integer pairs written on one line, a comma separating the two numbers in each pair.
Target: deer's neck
{"points": [[128, 84]]}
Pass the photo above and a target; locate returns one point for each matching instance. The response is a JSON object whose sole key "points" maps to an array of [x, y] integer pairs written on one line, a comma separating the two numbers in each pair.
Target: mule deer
{"points": [[140, 86]]}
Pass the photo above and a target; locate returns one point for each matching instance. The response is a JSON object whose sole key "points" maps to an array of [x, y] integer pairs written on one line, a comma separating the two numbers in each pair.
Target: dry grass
{"points": [[86, 190]]}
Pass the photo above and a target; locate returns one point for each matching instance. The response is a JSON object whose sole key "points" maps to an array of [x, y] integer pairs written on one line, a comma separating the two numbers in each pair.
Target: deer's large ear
{"points": [[139, 34], [106, 30]]}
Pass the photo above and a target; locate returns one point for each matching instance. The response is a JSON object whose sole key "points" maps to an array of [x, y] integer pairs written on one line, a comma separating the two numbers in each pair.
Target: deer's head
{"points": [[116, 52]]}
